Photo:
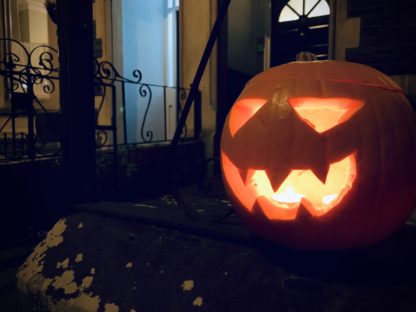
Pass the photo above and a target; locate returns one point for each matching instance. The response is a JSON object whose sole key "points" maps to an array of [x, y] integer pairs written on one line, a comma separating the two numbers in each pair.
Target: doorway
{"points": [[296, 26], [150, 44]]}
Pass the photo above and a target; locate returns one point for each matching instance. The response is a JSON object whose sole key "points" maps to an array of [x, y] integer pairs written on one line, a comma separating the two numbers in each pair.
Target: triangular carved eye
{"points": [[322, 114], [242, 111]]}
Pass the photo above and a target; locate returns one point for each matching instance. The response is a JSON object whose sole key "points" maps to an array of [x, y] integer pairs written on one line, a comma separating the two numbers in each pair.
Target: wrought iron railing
{"points": [[29, 75], [31, 123], [165, 102]]}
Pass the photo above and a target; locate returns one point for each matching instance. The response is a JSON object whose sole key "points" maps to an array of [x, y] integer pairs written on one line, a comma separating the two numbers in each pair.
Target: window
{"points": [[299, 25], [295, 9]]}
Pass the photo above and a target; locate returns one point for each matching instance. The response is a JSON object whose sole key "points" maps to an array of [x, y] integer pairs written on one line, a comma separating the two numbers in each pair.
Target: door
{"points": [[149, 43], [299, 25]]}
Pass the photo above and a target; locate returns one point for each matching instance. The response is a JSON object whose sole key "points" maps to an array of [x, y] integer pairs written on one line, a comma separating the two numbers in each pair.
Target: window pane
{"points": [[287, 15], [321, 9], [309, 5], [297, 5]]}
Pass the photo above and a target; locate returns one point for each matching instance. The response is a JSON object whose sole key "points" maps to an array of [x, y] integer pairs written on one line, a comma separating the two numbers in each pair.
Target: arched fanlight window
{"points": [[294, 9]]}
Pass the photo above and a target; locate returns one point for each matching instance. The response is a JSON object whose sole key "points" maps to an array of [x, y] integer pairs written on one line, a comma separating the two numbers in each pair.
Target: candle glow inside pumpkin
{"points": [[300, 186]]}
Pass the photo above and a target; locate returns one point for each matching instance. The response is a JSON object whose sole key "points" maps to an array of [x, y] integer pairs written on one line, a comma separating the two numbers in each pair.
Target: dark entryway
{"points": [[298, 25]]}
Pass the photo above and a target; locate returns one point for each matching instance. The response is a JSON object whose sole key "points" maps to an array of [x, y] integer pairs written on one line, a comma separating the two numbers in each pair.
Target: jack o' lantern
{"points": [[321, 155]]}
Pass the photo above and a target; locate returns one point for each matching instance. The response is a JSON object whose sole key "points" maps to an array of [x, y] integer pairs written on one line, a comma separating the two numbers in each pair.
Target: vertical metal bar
{"points": [[22, 144], [75, 30], [198, 75], [114, 123], [176, 107], [112, 30], [30, 121], [123, 105], [178, 76], [4, 22], [13, 123], [5, 144], [222, 87], [197, 116], [7, 19], [164, 112], [332, 29]]}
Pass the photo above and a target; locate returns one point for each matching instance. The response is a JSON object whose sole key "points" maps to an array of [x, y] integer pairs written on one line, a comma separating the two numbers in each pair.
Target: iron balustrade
{"points": [[31, 123], [25, 71]]}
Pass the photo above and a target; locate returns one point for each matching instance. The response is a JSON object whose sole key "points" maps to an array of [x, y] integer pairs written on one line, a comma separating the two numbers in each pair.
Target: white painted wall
{"points": [[33, 20]]}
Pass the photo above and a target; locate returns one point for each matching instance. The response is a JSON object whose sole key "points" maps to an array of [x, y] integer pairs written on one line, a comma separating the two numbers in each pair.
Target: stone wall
{"points": [[387, 35], [379, 33]]}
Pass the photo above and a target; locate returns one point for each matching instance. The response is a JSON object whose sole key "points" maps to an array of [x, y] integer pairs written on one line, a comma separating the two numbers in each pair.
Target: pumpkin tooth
{"points": [[277, 177], [303, 212], [321, 172], [243, 174]]}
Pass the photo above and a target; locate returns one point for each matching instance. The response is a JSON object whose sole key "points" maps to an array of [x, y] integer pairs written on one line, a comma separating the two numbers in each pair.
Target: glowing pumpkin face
{"points": [[304, 159]]}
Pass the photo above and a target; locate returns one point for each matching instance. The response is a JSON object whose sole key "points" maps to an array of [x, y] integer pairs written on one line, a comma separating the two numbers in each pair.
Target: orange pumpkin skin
{"points": [[321, 155]]}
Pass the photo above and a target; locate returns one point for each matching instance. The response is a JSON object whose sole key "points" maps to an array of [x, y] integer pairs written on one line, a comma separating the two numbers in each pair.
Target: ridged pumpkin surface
{"points": [[321, 155]]}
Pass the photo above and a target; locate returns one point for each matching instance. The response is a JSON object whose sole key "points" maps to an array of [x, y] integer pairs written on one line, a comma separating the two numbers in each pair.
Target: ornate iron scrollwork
{"points": [[35, 71], [26, 72], [144, 91], [24, 69], [102, 137], [106, 73], [183, 94]]}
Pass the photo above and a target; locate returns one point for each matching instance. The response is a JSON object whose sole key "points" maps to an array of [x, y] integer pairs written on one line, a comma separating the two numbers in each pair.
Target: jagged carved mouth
{"points": [[300, 187]]}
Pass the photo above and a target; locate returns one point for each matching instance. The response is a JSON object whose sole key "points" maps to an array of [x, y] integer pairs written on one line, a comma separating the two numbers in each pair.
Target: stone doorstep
{"points": [[105, 268], [154, 213], [89, 261], [172, 218]]}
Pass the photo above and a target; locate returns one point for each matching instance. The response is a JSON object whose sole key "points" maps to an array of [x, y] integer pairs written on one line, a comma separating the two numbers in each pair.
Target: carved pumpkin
{"points": [[321, 155]]}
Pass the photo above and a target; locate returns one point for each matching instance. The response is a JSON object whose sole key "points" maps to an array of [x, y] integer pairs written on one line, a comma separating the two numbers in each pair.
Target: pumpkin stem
{"points": [[305, 56]]}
